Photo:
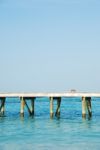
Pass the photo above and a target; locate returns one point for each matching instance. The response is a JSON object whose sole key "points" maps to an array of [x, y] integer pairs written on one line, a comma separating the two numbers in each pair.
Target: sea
{"points": [[68, 132]]}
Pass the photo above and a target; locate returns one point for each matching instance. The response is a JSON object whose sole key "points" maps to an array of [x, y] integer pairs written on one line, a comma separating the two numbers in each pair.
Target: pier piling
{"points": [[2, 107], [86, 107], [24, 103], [32, 106], [57, 114], [51, 107], [22, 107], [89, 108], [27, 107], [83, 107], [28, 100]]}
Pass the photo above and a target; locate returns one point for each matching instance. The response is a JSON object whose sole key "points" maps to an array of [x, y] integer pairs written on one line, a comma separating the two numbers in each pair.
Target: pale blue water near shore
{"points": [[70, 132]]}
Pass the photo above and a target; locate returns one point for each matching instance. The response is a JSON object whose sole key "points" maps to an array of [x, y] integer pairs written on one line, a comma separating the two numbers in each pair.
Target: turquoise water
{"points": [[69, 132]]}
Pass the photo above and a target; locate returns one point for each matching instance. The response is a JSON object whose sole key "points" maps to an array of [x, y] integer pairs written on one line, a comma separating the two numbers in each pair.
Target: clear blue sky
{"points": [[49, 45]]}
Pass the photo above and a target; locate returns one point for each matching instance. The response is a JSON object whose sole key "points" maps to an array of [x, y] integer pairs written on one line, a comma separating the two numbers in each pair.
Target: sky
{"points": [[49, 45]]}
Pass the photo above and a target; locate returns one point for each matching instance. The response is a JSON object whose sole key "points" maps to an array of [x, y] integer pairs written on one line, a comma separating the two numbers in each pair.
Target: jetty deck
{"points": [[68, 94], [85, 96]]}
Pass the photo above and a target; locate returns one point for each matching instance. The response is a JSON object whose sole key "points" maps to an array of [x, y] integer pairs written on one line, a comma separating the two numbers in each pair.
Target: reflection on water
{"points": [[69, 132]]}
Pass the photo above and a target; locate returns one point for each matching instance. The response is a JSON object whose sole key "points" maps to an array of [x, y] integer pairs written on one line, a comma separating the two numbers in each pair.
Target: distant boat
{"points": [[73, 91]]}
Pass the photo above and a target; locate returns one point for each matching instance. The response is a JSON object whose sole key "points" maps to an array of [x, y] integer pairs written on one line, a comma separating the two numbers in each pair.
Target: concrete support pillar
{"points": [[22, 107], [89, 108], [86, 107], [51, 107], [58, 107], [32, 106], [2, 107], [83, 107]]}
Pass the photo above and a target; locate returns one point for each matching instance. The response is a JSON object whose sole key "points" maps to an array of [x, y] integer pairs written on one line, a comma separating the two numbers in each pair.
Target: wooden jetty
{"points": [[86, 101]]}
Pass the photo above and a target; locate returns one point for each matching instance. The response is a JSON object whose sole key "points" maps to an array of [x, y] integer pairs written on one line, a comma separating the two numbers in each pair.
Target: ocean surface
{"points": [[69, 132]]}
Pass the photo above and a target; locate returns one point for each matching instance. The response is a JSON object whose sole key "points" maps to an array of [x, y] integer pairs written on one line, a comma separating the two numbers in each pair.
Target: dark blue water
{"points": [[69, 132]]}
